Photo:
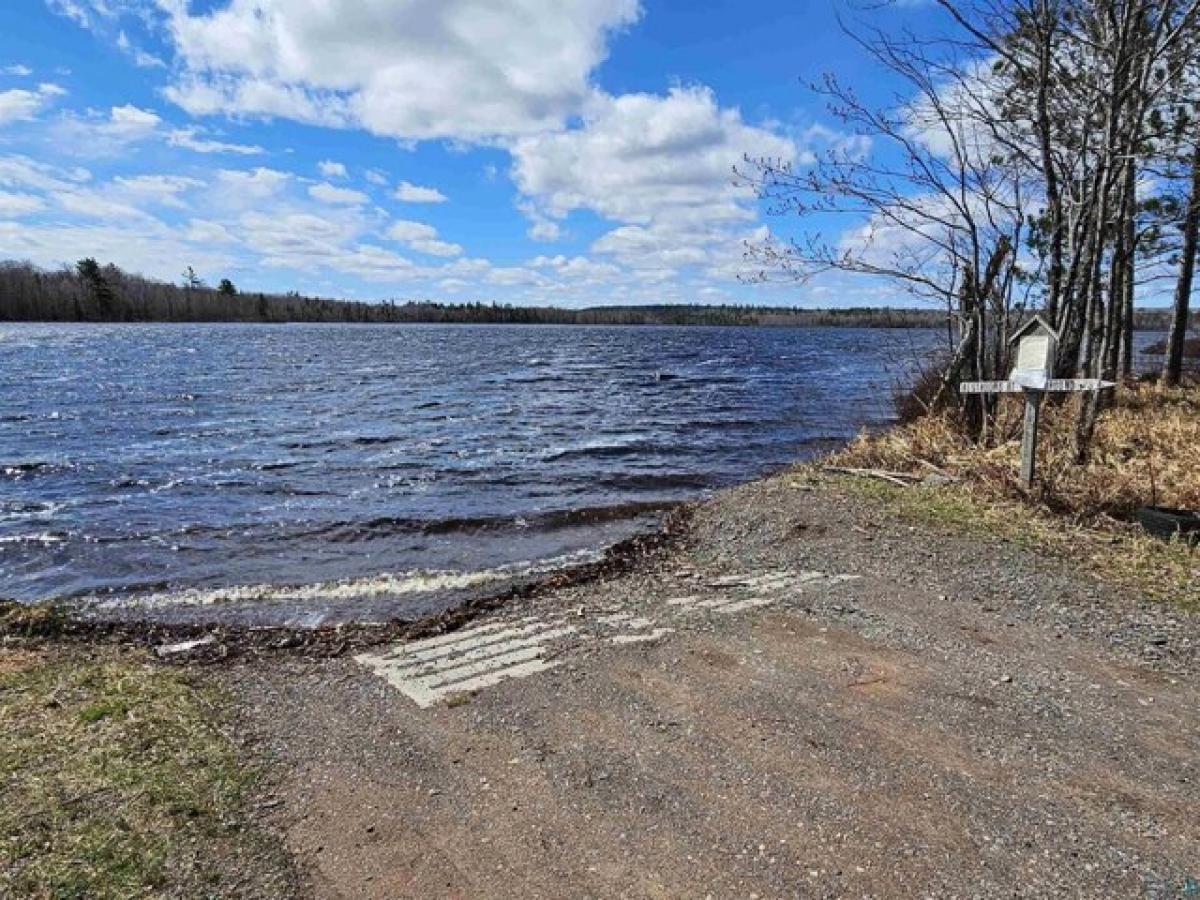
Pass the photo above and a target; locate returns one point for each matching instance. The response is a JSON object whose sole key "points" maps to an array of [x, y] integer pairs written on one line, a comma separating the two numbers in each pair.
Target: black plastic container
{"points": [[1164, 522]]}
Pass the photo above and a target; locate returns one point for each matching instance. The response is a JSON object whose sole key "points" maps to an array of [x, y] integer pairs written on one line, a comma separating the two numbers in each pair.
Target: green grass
{"points": [[930, 505], [30, 620], [1165, 571], [118, 778]]}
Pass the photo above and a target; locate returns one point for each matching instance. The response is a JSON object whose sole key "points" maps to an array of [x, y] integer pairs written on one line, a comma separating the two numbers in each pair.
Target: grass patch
{"points": [[119, 778], [1144, 452], [1166, 571], [30, 620]]}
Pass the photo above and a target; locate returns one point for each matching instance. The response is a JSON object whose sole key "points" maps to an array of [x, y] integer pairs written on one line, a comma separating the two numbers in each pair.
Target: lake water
{"points": [[304, 473]]}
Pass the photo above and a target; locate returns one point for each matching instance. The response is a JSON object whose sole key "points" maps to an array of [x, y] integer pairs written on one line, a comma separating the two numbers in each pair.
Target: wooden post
{"points": [[1033, 405]]}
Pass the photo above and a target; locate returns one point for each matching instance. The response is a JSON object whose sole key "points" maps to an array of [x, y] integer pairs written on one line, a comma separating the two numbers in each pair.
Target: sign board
{"points": [[1035, 354], [1033, 384], [1037, 347], [1052, 385], [1067, 385], [990, 387]]}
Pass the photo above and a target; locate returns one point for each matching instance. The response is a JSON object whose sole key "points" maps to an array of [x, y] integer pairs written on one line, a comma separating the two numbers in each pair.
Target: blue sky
{"points": [[567, 152]]}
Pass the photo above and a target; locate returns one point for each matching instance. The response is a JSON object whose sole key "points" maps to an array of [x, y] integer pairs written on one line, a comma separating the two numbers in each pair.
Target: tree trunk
{"points": [[1049, 168], [1173, 365], [1121, 281]]}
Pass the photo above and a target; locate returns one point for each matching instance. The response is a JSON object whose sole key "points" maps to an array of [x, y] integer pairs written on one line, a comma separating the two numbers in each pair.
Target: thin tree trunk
{"points": [[1121, 282], [1173, 365], [1049, 170]]}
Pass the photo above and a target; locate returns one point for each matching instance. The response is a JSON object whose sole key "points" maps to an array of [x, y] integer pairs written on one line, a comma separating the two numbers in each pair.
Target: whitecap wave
{"points": [[43, 537], [348, 591]]}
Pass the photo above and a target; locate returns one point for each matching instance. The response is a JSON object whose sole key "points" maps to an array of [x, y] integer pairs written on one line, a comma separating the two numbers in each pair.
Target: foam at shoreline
{"points": [[343, 592]]}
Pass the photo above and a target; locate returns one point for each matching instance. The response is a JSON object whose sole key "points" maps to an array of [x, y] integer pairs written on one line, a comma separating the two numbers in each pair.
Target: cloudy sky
{"points": [[528, 151]]}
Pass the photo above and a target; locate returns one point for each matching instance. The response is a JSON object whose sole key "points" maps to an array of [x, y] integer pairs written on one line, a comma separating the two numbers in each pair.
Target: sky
{"points": [[540, 152]]}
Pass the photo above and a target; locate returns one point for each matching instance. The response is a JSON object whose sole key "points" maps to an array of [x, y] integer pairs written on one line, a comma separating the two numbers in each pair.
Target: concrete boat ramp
{"points": [[809, 698], [470, 660]]}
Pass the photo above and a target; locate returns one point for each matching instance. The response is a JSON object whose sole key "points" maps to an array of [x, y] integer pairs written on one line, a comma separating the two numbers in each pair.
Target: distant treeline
{"points": [[90, 292]]}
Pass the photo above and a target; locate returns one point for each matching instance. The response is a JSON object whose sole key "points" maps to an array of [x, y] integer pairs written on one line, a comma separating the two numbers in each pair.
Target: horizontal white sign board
{"points": [[1058, 385], [990, 387], [1079, 384]]}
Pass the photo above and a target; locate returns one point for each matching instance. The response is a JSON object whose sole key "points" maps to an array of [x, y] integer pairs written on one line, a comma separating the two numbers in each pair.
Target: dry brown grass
{"points": [[1146, 450]]}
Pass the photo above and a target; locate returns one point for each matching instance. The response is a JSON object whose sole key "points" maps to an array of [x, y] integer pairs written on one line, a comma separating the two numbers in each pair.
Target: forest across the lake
{"points": [[90, 292]]}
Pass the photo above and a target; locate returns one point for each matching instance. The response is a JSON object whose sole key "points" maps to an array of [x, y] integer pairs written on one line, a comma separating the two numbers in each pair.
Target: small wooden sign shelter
{"points": [[1031, 376]]}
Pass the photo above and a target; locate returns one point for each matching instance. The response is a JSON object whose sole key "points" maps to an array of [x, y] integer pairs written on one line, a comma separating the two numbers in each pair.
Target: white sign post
{"points": [[1031, 376]]}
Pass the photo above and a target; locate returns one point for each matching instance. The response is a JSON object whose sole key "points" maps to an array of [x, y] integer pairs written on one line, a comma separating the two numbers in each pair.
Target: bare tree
{"points": [[939, 200], [1024, 142]]}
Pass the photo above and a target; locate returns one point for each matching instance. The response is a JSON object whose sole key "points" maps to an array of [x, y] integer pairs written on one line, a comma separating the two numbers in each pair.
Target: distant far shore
{"points": [[93, 293], [598, 316]]}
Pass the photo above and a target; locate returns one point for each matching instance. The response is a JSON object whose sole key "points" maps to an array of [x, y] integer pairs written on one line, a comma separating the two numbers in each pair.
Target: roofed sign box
{"points": [[1036, 352], [1033, 375]]}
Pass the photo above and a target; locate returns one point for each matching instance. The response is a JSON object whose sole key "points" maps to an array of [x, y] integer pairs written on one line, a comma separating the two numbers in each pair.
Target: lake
{"points": [[307, 473]]}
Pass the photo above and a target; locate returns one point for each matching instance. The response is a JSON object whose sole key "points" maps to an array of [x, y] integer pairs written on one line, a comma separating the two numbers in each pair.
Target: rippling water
{"points": [[367, 470]]}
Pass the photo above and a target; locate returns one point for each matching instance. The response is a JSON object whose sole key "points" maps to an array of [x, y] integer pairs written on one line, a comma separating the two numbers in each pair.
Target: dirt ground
{"points": [[959, 717]]}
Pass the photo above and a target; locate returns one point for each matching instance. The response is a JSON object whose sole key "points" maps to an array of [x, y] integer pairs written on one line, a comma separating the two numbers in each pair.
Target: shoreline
{"points": [[213, 641], [753, 675], [750, 694], [216, 640]]}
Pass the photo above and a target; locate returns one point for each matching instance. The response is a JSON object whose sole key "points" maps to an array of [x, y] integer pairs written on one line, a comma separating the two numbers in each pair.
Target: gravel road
{"points": [[806, 698]]}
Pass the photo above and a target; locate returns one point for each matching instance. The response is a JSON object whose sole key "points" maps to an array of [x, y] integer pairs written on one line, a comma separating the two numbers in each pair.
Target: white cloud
{"points": [[97, 204], [16, 205], [18, 70], [914, 235], [99, 134], [191, 139], [224, 95], [516, 276], [649, 247], [411, 69], [19, 105], [577, 268], [544, 229], [162, 189], [75, 10], [140, 57], [541, 226], [312, 243], [966, 116], [255, 184], [374, 263], [132, 121], [405, 231], [254, 220], [295, 240], [331, 169], [437, 248], [642, 157], [515, 75], [140, 245], [422, 238], [327, 193], [658, 166], [206, 232], [23, 172], [407, 192]]}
